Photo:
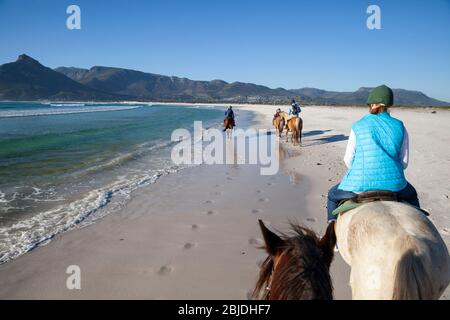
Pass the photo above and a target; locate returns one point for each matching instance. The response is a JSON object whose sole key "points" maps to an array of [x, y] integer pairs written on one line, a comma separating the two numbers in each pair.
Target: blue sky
{"points": [[290, 44]]}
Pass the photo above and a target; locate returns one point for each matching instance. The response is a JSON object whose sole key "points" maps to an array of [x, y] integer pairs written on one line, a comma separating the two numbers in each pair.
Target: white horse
{"points": [[394, 251]]}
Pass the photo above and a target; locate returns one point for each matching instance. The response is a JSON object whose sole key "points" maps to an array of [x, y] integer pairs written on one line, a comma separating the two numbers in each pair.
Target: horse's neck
{"points": [[371, 223], [374, 238]]}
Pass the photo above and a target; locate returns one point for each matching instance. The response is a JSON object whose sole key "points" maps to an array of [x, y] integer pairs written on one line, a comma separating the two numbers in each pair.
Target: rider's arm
{"points": [[404, 151], [350, 151]]}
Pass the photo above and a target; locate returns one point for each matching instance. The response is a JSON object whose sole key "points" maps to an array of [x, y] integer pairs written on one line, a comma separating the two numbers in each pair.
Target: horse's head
{"points": [[298, 265]]}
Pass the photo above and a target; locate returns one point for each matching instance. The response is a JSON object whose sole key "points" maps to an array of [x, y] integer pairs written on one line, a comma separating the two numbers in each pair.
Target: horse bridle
{"points": [[269, 284]]}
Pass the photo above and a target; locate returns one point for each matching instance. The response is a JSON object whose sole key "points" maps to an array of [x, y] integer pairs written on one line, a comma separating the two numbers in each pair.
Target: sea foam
{"points": [[58, 111]]}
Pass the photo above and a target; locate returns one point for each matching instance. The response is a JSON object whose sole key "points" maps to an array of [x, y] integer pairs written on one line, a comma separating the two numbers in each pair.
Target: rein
{"points": [[269, 283]]}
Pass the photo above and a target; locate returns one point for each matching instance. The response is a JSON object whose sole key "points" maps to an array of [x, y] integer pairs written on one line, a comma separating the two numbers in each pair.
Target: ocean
{"points": [[68, 164]]}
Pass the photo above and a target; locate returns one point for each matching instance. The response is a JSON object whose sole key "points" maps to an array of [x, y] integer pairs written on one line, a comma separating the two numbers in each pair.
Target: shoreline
{"points": [[194, 235], [108, 199]]}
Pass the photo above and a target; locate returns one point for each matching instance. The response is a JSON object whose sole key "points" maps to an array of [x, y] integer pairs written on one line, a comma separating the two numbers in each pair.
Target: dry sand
{"points": [[194, 234]]}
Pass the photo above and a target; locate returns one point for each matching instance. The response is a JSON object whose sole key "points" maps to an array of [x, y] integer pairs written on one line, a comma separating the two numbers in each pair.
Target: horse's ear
{"points": [[327, 243], [273, 242]]}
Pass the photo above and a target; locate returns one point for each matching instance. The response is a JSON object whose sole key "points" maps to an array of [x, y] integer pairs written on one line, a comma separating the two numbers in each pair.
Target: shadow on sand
{"points": [[314, 133], [323, 140]]}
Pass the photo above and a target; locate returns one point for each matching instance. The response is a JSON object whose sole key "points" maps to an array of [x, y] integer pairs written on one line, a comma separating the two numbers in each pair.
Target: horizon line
{"points": [[228, 82]]}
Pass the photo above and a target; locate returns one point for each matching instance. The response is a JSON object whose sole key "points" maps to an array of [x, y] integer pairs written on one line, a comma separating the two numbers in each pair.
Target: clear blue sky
{"points": [[290, 44]]}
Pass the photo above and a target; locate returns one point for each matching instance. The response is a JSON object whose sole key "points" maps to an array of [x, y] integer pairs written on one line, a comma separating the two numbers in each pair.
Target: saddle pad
{"points": [[346, 206], [350, 205]]}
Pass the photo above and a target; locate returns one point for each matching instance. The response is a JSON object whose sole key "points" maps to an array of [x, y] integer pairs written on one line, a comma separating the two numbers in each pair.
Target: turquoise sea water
{"points": [[66, 163]]}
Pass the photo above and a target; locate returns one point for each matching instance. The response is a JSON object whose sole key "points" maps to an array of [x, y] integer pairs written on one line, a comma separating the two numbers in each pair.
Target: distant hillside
{"points": [[401, 97], [27, 79], [76, 74], [158, 87], [151, 86]]}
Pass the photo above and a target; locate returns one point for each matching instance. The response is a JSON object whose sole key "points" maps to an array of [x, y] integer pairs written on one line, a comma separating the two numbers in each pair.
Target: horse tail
{"points": [[411, 282], [300, 128], [297, 129]]}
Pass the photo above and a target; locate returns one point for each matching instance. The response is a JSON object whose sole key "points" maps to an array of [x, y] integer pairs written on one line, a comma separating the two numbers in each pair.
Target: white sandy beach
{"points": [[194, 234]]}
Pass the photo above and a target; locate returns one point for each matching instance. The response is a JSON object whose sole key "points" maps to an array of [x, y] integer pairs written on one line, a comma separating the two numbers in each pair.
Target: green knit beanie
{"points": [[381, 94]]}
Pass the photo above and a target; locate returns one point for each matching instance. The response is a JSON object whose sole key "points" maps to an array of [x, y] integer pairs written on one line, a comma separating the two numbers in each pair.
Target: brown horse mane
{"points": [[305, 272]]}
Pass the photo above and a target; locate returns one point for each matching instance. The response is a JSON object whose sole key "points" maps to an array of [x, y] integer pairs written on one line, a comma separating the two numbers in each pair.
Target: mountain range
{"points": [[27, 79]]}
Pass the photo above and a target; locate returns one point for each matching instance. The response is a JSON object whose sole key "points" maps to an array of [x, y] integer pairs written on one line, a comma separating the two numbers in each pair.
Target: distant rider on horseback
{"points": [[276, 115], [295, 109], [229, 113]]}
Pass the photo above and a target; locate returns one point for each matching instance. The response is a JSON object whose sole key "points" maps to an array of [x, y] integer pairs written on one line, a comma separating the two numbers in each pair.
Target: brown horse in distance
{"points": [[279, 123], [298, 265], [295, 125], [228, 124]]}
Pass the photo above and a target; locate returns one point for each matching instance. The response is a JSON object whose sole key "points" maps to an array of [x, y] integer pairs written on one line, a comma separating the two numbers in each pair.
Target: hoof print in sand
{"points": [[208, 202], [188, 245], [256, 211], [165, 270], [195, 226], [263, 199]]}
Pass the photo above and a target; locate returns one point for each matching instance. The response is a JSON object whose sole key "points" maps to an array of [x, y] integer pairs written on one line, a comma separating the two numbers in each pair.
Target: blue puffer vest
{"points": [[376, 164]]}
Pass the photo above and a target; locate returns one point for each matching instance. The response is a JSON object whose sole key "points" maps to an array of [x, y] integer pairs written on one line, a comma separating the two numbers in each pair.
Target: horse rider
{"points": [[294, 110], [376, 156], [229, 113], [276, 115]]}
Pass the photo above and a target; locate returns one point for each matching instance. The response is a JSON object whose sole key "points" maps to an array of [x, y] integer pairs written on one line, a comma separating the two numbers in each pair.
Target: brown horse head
{"points": [[298, 265]]}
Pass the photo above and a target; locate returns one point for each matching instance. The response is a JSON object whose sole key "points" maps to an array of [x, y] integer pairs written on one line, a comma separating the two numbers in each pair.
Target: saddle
{"points": [[366, 197], [376, 195]]}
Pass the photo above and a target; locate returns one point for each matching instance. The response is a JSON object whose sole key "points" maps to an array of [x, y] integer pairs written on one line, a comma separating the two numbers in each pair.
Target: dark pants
{"points": [[335, 196]]}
